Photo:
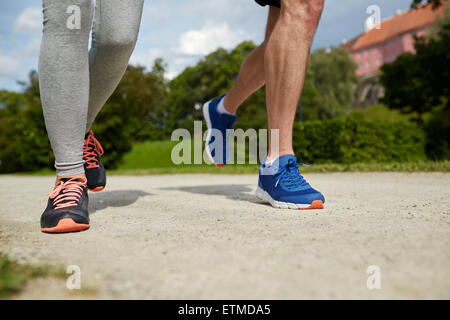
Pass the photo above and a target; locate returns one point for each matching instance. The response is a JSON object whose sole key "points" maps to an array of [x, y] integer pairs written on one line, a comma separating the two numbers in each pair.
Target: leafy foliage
{"points": [[331, 83], [418, 84], [355, 139], [435, 3], [209, 78], [438, 135], [24, 145]]}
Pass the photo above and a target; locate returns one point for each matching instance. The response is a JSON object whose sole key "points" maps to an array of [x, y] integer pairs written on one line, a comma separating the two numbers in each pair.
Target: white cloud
{"points": [[8, 66], [29, 20], [171, 75], [209, 38], [146, 58]]}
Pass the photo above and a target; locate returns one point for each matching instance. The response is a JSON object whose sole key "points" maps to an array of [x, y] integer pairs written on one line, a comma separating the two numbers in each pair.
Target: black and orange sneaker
{"points": [[67, 209], [93, 167]]}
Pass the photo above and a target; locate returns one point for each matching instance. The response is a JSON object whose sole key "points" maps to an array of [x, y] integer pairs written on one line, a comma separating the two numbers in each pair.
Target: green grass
{"points": [[154, 158], [14, 276], [148, 155]]}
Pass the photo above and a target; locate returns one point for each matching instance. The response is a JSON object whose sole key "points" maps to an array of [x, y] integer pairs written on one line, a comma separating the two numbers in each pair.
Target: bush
{"points": [[355, 139], [438, 135], [24, 145]]}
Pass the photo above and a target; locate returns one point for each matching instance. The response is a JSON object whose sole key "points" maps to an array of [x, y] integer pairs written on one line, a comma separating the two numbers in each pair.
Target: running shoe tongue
{"points": [[83, 181], [284, 161]]}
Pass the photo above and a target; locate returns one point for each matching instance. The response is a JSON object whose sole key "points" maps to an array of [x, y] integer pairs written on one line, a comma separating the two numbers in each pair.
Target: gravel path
{"points": [[207, 237]]}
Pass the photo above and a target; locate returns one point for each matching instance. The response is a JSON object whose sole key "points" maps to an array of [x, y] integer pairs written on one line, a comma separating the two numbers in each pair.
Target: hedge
{"points": [[356, 139]]}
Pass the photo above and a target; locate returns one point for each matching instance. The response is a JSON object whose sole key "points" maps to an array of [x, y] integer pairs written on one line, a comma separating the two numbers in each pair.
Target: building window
{"points": [[378, 61], [368, 64]]}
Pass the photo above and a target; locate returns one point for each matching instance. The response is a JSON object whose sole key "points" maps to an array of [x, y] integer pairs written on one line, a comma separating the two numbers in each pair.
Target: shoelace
{"points": [[291, 176], [91, 150], [67, 194]]}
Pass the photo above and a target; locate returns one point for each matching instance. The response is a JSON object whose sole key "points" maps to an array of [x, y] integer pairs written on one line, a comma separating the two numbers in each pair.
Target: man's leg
{"points": [[251, 76], [286, 59]]}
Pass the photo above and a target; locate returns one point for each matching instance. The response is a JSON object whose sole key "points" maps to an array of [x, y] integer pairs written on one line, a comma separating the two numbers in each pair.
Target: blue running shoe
{"points": [[282, 185], [217, 140]]}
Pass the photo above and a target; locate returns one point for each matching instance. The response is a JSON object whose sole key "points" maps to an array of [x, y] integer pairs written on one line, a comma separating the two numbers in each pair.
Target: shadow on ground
{"points": [[106, 199], [240, 192]]}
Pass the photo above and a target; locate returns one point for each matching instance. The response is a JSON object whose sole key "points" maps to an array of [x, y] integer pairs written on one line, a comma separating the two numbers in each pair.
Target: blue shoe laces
{"points": [[290, 174]]}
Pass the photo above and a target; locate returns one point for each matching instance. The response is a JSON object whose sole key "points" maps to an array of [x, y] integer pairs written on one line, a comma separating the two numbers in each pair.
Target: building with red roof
{"points": [[394, 36]]}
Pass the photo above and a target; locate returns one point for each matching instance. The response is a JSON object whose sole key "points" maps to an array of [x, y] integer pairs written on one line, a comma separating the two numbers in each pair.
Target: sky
{"points": [[180, 32]]}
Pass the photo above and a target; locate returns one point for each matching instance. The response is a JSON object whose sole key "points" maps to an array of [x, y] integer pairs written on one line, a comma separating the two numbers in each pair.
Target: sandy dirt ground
{"points": [[208, 237]]}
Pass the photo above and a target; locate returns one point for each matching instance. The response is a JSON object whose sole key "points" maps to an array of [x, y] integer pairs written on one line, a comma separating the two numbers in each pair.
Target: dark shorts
{"points": [[275, 3]]}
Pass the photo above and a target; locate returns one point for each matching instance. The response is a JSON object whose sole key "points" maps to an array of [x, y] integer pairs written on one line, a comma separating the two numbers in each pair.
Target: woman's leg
{"points": [[116, 27], [64, 80], [64, 85]]}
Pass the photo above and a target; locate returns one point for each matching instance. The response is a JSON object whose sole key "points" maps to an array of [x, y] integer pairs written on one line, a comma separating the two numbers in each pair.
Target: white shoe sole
{"points": [[264, 196]]}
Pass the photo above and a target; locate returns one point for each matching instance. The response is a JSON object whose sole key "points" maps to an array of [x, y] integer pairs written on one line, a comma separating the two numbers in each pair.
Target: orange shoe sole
{"points": [[318, 204], [99, 189], [66, 226]]}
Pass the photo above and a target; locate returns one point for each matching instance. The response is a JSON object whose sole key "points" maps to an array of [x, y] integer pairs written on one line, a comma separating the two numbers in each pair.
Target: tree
{"points": [[330, 84], [435, 3], [24, 145], [209, 78], [417, 83]]}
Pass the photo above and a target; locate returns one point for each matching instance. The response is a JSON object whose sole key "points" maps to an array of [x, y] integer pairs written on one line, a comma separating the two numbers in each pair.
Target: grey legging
{"points": [[74, 82]]}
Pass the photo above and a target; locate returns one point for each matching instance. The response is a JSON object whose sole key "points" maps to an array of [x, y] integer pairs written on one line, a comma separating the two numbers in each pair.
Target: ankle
{"points": [[223, 107], [272, 157], [228, 108]]}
